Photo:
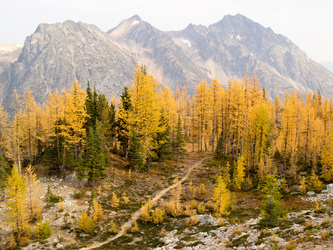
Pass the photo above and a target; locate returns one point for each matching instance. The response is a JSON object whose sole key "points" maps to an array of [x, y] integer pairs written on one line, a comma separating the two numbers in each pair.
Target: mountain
{"points": [[236, 46], [8, 54], [157, 50], [57, 54]]}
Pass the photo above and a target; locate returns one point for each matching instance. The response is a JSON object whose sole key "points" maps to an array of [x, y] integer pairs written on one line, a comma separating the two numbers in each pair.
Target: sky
{"points": [[307, 23]]}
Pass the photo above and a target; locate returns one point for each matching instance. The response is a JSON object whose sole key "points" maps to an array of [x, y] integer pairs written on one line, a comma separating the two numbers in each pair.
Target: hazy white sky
{"points": [[308, 23]]}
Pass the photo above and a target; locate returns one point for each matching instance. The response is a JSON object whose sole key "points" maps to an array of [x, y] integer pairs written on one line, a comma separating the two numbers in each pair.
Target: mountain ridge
{"points": [[234, 47]]}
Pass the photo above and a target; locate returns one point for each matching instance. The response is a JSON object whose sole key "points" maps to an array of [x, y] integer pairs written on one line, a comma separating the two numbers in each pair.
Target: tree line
{"points": [[75, 129]]}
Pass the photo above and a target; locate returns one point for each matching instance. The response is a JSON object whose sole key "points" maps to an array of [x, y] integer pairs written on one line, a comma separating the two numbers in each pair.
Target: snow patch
{"points": [[135, 22], [251, 54], [232, 36], [197, 50], [197, 58], [238, 37], [186, 42]]}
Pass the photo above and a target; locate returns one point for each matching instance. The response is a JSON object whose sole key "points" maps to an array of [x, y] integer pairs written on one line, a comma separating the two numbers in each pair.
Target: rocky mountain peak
{"points": [[57, 54]]}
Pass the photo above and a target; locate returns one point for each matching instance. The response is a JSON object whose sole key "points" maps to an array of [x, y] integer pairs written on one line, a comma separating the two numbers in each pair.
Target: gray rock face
{"points": [[236, 46], [55, 55], [165, 60]]}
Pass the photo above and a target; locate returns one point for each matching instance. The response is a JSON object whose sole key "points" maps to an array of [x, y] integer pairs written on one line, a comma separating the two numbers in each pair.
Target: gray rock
{"points": [[310, 193], [206, 219]]}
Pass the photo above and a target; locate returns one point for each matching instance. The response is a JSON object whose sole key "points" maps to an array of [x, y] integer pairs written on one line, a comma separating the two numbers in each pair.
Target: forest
{"points": [[257, 143]]}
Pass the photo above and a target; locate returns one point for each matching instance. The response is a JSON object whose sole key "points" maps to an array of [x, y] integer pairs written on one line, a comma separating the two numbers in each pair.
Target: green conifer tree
{"points": [[94, 157], [80, 169], [124, 107], [219, 151], [271, 207], [135, 152], [162, 139]]}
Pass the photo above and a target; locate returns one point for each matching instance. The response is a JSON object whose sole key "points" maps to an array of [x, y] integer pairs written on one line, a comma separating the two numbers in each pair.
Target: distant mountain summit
{"points": [[157, 50], [57, 54], [236, 46]]}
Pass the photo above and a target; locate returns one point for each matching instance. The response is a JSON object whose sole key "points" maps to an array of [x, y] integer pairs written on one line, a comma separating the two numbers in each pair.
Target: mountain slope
{"points": [[55, 55], [156, 49], [236, 46]]}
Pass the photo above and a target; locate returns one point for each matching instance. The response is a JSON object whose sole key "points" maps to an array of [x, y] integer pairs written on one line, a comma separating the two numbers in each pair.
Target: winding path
{"points": [[136, 215]]}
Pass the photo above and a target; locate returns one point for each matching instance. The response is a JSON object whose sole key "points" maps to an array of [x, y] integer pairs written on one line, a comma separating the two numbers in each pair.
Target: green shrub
{"points": [[52, 198], [43, 230], [80, 194]]}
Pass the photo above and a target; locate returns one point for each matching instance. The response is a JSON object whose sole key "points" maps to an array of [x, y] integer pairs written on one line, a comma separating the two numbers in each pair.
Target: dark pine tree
{"points": [[126, 105], [80, 169], [162, 139], [135, 152], [92, 108], [219, 151], [94, 160], [179, 142]]}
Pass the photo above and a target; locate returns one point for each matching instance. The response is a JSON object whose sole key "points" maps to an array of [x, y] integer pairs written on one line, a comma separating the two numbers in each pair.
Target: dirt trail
{"points": [[136, 214]]}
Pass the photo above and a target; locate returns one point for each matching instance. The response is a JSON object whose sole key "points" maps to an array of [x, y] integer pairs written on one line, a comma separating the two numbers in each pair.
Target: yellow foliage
{"points": [[189, 211], [157, 216], [61, 206], [303, 185], [125, 198], [190, 222], [202, 188], [202, 208], [175, 206], [11, 241], [86, 223], [99, 190], [113, 228], [239, 173], [193, 204], [114, 201], [193, 190], [221, 198], [16, 202], [220, 222], [314, 184], [34, 203], [145, 211], [135, 227], [96, 211]]}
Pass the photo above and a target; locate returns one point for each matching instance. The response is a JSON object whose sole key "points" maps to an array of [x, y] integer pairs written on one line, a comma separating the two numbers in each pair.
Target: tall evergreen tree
{"points": [[125, 107], [135, 156], [94, 159], [91, 108], [219, 151], [272, 209], [162, 139]]}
